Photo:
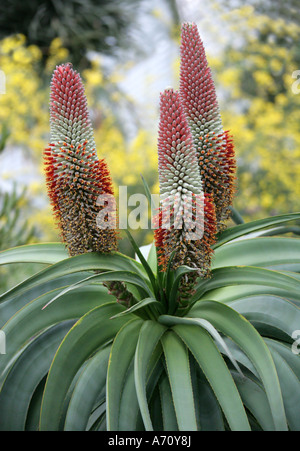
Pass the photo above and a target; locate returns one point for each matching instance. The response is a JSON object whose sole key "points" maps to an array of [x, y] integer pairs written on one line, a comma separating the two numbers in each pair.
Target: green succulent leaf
{"points": [[264, 252], [255, 399], [232, 293], [254, 226], [152, 258], [217, 373], [140, 305], [89, 386], [284, 350], [79, 263], [246, 275], [143, 261], [122, 276], [167, 405], [25, 375], [122, 354], [177, 359], [129, 413], [172, 320], [268, 310], [9, 308], [290, 386], [232, 324], [150, 334], [208, 410], [90, 333], [32, 320], [47, 253]]}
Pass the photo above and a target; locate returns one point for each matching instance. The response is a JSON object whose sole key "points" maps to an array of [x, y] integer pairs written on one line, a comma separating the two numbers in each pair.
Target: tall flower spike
{"points": [[186, 219], [75, 177], [214, 146]]}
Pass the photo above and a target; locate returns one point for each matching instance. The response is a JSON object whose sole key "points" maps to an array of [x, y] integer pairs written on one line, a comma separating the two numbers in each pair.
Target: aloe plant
{"points": [[205, 341]]}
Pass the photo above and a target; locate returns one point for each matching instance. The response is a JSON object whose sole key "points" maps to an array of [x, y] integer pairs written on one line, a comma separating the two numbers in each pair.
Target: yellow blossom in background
{"points": [[57, 54], [25, 112], [23, 108], [262, 112]]}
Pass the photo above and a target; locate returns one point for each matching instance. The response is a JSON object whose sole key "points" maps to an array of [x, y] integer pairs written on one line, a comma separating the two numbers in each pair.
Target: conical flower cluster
{"points": [[196, 163], [214, 146], [75, 177], [186, 220]]}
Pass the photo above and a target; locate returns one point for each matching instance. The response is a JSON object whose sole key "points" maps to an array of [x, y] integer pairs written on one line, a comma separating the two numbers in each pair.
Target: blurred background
{"points": [[127, 52]]}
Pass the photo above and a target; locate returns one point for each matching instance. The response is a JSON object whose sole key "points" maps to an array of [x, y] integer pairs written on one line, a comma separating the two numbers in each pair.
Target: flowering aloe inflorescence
{"points": [[74, 175], [186, 217], [196, 163], [214, 146]]}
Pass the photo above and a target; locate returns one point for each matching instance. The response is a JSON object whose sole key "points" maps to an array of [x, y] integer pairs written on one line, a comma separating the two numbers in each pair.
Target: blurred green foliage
{"points": [[14, 230], [81, 25]]}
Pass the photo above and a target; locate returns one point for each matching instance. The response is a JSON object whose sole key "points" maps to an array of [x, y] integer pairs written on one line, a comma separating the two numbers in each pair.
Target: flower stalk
{"points": [[75, 177], [186, 220], [214, 146]]}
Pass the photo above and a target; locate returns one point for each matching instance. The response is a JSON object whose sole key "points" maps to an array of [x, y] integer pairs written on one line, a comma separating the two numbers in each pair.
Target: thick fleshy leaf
{"points": [[150, 334], [290, 386], [167, 405], [122, 353], [47, 253], [258, 252], [208, 411], [232, 324], [246, 275], [97, 421], [282, 230], [88, 387], [241, 358], [253, 226], [130, 418], [84, 262], [122, 276], [270, 311], [129, 414], [155, 411], [233, 293], [177, 359], [152, 258], [25, 375], [206, 325], [92, 331], [140, 305], [291, 358], [10, 307], [33, 413], [255, 399], [217, 373], [142, 260], [31, 320]]}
